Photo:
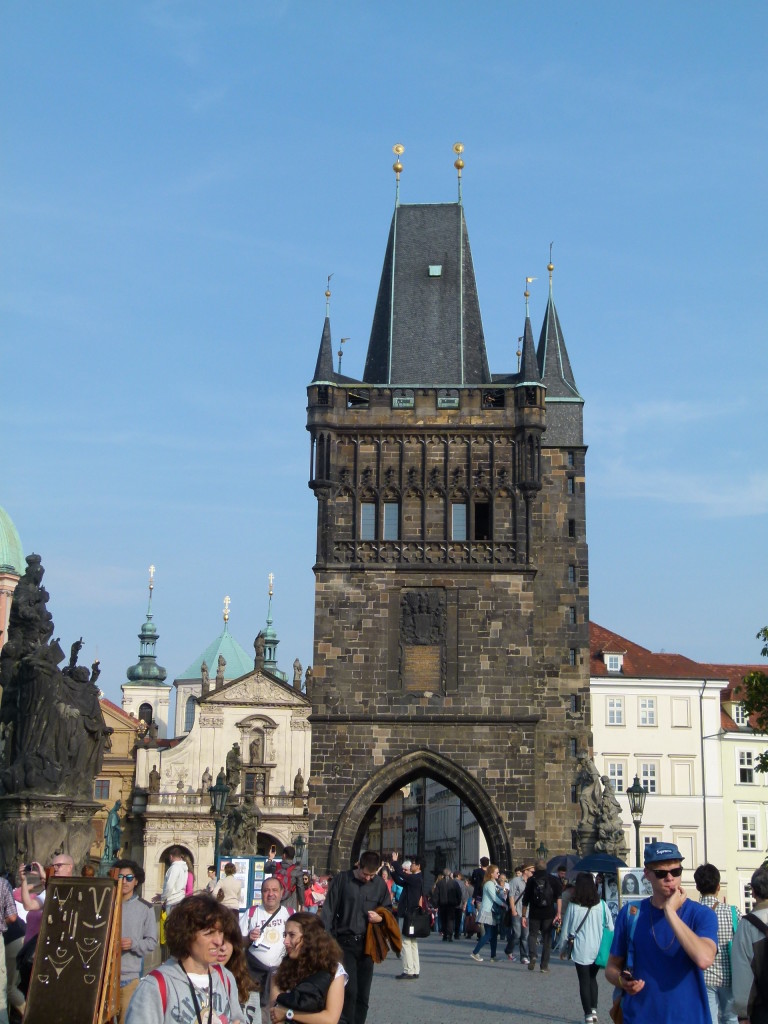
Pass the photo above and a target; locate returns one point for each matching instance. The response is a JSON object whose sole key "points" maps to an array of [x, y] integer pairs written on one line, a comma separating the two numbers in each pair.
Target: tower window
{"points": [[458, 521], [571, 459], [572, 656], [482, 520], [571, 527], [571, 573], [189, 714], [572, 615], [391, 520], [368, 520], [145, 713], [571, 486]]}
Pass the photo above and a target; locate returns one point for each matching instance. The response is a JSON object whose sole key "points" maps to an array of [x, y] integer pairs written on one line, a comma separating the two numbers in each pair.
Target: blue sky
{"points": [[178, 179]]}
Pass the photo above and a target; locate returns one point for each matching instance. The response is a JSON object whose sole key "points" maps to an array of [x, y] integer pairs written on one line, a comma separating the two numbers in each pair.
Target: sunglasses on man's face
{"points": [[661, 875], [127, 878]]}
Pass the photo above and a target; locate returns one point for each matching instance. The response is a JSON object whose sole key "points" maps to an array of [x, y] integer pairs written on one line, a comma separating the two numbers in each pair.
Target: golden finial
{"points": [[271, 579], [519, 352], [227, 603], [526, 293], [550, 265], [398, 149], [458, 163], [328, 295], [151, 578]]}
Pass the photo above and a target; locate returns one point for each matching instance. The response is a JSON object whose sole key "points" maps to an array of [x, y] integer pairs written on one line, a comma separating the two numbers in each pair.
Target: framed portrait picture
{"points": [[633, 886]]}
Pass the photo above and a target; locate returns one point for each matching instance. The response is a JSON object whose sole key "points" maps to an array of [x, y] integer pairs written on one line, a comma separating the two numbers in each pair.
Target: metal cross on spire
{"points": [[227, 603]]}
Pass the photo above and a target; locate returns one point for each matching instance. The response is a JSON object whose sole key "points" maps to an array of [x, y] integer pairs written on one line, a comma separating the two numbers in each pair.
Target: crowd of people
{"points": [[307, 951]]}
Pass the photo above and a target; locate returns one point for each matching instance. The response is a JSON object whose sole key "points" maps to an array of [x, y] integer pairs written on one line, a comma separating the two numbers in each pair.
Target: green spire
{"points": [[147, 671], [270, 636]]}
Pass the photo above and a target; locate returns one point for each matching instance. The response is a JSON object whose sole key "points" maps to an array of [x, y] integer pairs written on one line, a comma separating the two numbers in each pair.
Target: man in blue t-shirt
{"points": [[673, 940]]}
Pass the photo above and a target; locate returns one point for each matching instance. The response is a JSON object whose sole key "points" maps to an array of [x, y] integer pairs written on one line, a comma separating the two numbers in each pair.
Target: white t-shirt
{"points": [[175, 884], [269, 949]]}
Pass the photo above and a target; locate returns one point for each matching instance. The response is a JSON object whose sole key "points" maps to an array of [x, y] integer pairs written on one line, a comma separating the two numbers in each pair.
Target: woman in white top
{"points": [[312, 969], [230, 891], [585, 919]]}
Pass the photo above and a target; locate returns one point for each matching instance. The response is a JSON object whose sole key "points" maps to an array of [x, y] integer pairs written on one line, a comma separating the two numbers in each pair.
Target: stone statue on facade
{"points": [[154, 781], [600, 827], [307, 679], [53, 724], [205, 677], [220, 666], [610, 831], [258, 650], [256, 749], [297, 670], [298, 784], [234, 766], [206, 782], [588, 784]]}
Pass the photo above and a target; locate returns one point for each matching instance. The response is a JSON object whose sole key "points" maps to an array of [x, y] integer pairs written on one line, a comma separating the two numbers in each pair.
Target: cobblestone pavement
{"points": [[453, 989]]}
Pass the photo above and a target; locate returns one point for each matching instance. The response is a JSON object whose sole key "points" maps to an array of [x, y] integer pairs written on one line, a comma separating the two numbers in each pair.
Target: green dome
{"points": [[238, 662], [11, 553]]}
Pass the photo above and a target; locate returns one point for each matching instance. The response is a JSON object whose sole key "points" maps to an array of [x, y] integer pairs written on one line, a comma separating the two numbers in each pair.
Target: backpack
{"points": [[287, 879], [543, 894], [160, 979]]}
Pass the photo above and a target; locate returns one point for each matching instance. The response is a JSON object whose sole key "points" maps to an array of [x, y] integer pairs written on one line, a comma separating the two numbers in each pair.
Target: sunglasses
{"points": [[661, 875], [127, 878]]}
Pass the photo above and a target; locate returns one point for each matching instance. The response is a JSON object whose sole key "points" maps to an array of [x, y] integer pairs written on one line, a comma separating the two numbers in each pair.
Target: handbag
{"points": [[606, 941], [417, 924], [309, 995]]}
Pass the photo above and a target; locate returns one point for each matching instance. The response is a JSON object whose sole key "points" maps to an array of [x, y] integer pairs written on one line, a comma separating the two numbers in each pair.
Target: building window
{"points": [[368, 520], [571, 573], [391, 520], [748, 900], [740, 716], [612, 662], [571, 459], [748, 831], [189, 713], [572, 656], [145, 713], [571, 527], [746, 767], [615, 714], [650, 839], [575, 703], [101, 789], [572, 615], [647, 711], [649, 776], [571, 489], [616, 774], [573, 746], [482, 520], [458, 521]]}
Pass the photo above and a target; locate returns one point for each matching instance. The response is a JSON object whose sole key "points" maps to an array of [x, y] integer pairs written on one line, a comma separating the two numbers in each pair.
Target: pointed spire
{"points": [[529, 368], [324, 365], [147, 671], [554, 364], [270, 636]]}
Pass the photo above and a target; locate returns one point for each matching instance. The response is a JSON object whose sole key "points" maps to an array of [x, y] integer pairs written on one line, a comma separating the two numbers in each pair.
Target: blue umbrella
{"points": [[604, 862]]}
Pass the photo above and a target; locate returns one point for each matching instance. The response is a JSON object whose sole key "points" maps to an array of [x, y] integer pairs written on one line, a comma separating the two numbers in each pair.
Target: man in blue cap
{"points": [[661, 948]]}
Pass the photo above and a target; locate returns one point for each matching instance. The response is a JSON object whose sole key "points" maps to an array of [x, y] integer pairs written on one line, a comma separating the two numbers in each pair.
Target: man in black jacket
{"points": [[351, 903], [541, 909], [447, 893], [408, 875]]}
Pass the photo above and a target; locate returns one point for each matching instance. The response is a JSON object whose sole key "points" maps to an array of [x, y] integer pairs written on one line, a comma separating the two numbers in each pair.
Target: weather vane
{"points": [[328, 295], [340, 352], [550, 265], [227, 603], [271, 579], [526, 293]]}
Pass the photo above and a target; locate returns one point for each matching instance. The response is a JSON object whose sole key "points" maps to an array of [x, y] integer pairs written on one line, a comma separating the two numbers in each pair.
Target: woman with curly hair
{"points": [[192, 987], [308, 986], [232, 956]]}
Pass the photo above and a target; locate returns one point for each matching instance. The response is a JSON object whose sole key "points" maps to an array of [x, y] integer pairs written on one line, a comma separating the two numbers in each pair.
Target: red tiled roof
{"points": [[115, 710], [639, 661]]}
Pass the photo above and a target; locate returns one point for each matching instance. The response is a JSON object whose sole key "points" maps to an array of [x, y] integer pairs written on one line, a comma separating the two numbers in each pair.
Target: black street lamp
{"points": [[542, 851], [300, 844], [636, 795], [218, 795]]}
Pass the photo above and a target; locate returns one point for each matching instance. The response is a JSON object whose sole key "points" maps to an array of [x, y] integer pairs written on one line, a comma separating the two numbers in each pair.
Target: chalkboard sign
{"points": [[77, 961]]}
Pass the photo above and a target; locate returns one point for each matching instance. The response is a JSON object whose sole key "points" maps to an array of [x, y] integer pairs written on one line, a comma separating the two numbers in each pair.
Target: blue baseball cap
{"points": [[655, 852]]}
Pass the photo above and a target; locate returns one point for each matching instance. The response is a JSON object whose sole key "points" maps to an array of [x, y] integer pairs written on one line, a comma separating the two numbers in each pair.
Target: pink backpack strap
{"points": [[158, 976], [217, 967]]}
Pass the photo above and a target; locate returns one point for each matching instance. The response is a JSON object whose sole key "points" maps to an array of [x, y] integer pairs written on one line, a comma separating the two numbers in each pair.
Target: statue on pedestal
{"points": [[154, 781], [234, 766], [112, 833]]}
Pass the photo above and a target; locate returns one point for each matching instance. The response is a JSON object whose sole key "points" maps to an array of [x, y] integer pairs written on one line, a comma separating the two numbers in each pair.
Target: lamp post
{"points": [[542, 851], [300, 844], [218, 795], [636, 795]]}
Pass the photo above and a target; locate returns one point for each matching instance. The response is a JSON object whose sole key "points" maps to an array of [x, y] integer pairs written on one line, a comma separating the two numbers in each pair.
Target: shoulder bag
{"points": [[417, 924], [567, 951], [606, 941]]}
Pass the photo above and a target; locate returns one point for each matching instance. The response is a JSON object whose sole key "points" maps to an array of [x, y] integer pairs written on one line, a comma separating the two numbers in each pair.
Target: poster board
{"points": [[76, 974], [633, 886], [250, 873]]}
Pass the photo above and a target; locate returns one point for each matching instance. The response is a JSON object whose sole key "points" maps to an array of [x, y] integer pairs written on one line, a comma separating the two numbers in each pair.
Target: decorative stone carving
{"points": [[234, 767], [300, 721]]}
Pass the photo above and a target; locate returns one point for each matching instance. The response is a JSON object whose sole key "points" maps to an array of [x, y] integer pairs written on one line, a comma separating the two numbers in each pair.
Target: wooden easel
{"points": [[109, 1004]]}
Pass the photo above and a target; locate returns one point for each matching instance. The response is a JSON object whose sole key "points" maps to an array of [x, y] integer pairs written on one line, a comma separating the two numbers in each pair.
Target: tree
{"points": [[753, 694]]}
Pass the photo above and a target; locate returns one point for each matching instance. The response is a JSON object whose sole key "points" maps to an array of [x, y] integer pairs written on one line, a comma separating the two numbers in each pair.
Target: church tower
{"points": [[146, 695], [451, 599]]}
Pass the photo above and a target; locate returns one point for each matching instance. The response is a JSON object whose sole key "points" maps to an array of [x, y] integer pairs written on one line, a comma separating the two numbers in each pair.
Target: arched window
{"points": [[145, 713], [189, 714]]}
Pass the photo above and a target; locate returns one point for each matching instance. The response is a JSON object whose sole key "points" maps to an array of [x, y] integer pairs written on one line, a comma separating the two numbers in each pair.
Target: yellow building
{"points": [[115, 781]]}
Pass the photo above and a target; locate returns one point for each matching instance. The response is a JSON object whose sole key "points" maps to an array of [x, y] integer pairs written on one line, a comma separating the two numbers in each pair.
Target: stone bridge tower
{"points": [[451, 599]]}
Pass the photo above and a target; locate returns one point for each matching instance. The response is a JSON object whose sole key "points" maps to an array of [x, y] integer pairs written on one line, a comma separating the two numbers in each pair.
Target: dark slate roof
{"points": [[427, 329], [324, 371], [529, 368], [554, 364]]}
